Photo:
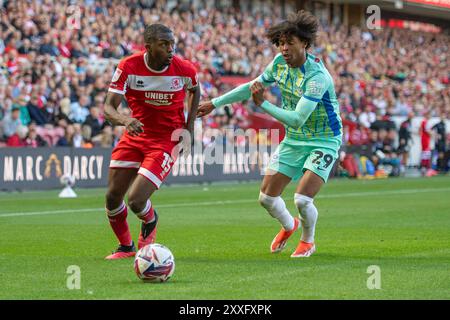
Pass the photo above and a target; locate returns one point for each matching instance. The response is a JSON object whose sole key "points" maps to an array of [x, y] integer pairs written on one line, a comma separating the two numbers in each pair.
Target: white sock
{"points": [[277, 209], [144, 212], [308, 216], [114, 212]]}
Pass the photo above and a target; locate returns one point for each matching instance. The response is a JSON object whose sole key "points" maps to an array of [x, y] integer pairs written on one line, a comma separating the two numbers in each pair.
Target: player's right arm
{"points": [[113, 101], [239, 93], [316, 86], [116, 91]]}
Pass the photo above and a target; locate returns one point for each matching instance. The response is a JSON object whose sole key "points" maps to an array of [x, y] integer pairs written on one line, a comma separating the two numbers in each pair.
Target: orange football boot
{"points": [[279, 242], [304, 249]]}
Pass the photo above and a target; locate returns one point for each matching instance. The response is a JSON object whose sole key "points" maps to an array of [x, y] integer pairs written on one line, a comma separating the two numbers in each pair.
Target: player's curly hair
{"points": [[303, 25], [153, 31]]}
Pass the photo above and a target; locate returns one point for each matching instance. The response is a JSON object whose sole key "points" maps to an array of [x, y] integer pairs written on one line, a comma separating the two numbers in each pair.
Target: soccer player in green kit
{"points": [[310, 113]]}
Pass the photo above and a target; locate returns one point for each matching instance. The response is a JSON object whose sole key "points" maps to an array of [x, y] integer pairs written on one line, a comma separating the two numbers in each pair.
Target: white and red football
{"points": [[154, 263]]}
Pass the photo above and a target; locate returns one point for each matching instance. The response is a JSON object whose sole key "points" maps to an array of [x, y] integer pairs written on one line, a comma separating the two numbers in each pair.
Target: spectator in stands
{"points": [[390, 124], [93, 121], [402, 107], [77, 139], [360, 135], [18, 139], [86, 133], [379, 124], [105, 138], [79, 109], [33, 139], [47, 46], [440, 140], [21, 104], [380, 103], [37, 113], [11, 122], [117, 134], [367, 117], [404, 140], [384, 156], [67, 139]]}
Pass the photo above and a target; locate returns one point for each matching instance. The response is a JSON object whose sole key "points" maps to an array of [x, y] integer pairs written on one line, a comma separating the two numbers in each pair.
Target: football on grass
{"points": [[154, 263]]}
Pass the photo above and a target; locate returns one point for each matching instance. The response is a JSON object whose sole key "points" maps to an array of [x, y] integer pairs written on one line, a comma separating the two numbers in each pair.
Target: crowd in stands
{"points": [[57, 59]]}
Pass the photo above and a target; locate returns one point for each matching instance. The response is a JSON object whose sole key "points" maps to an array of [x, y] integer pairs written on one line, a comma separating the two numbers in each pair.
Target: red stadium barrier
{"points": [[263, 121]]}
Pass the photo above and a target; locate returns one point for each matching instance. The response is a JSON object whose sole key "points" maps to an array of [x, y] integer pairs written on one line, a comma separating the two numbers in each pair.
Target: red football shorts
{"points": [[153, 160]]}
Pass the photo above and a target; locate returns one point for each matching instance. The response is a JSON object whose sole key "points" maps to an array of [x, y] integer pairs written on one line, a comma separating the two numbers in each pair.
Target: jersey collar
{"points": [[302, 67], [148, 67]]}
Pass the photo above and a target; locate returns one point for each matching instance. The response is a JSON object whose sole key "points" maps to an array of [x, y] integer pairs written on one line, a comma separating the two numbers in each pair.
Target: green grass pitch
{"points": [[220, 238]]}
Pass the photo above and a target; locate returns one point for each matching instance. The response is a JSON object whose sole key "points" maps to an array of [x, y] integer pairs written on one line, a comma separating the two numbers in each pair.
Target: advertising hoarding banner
{"points": [[42, 168]]}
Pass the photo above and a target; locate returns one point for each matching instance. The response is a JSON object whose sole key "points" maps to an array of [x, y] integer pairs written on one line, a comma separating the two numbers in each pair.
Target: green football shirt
{"points": [[313, 82]]}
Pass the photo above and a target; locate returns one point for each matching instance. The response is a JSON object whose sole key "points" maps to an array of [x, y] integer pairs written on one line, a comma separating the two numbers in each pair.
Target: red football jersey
{"points": [[425, 135], [156, 98]]}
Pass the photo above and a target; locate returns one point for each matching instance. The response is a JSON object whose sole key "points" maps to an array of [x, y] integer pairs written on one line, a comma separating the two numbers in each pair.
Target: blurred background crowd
{"points": [[57, 59]]}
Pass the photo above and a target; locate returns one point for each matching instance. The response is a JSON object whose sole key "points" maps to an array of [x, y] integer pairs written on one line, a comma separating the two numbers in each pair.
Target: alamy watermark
{"points": [[374, 280], [247, 149], [73, 281], [73, 20], [373, 21]]}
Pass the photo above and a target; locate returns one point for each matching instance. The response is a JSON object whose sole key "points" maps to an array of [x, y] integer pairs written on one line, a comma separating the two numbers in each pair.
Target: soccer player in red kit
{"points": [[154, 83], [425, 139]]}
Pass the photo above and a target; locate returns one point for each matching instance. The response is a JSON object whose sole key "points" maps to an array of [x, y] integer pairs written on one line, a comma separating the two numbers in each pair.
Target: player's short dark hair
{"points": [[155, 31], [303, 25]]}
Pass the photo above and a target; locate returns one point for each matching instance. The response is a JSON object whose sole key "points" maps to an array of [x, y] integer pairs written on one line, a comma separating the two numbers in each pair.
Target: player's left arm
{"points": [[193, 102], [315, 89]]}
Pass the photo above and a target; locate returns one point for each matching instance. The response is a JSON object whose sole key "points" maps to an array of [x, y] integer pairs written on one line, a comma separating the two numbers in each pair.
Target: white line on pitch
{"points": [[225, 202]]}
